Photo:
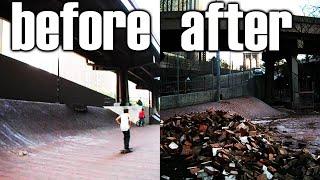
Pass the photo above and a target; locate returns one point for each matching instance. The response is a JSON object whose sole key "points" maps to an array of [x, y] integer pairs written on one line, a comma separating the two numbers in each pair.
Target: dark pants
{"points": [[141, 122], [126, 139]]}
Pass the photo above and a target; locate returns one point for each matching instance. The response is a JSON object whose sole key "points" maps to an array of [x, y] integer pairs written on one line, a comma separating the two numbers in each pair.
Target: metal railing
{"points": [[204, 83], [171, 60]]}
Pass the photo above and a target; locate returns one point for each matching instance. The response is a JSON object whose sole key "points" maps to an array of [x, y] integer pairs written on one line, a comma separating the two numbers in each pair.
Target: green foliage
{"points": [[224, 65]]}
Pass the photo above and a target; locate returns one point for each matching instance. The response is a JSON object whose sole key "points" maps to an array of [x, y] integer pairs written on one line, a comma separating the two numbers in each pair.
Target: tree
{"points": [[224, 65], [311, 10]]}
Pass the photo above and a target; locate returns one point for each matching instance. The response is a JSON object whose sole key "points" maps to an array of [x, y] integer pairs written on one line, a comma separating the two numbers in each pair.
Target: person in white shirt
{"points": [[125, 123]]}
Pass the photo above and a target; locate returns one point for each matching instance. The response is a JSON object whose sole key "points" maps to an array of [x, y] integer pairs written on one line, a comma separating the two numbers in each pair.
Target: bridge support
{"points": [[294, 79], [122, 87], [269, 63], [155, 99], [118, 88]]}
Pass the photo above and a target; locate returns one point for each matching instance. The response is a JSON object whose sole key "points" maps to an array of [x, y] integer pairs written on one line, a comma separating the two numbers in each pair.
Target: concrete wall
{"points": [[205, 82], [173, 101], [21, 81]]}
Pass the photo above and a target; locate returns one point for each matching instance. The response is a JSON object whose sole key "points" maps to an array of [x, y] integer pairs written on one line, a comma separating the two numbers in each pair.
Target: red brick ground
{"points": [[92, 155]]}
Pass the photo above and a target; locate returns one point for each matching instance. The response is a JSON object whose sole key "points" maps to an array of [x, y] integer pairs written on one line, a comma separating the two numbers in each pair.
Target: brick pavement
{"points": [[93, 154]]}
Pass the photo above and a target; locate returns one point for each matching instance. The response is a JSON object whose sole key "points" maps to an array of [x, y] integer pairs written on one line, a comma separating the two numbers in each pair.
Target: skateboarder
{"points": [[125, 123]]}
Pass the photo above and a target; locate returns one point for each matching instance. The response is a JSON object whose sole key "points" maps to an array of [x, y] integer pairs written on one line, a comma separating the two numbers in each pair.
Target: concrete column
{"points": [[122, 87], [244, 62], [118, 88], [178, 83], [155, 100], [294, 79], [269, 63], [218, 63], [250, 61]]}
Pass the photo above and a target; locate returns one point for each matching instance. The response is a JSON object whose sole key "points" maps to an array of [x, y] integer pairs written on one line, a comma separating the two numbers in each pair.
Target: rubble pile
{"points": [[224, 145]]}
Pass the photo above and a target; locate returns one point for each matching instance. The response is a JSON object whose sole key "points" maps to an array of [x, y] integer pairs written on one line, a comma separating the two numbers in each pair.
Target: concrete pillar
{"points": [[269, 63], [122, 87], [294, 79], [250, 61], [155, 100], [178, 82], [118, 88], [244, 62], [218, 68]]}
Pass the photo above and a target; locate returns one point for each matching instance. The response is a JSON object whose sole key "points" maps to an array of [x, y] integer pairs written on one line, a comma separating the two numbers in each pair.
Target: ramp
{"points": [[62, 144], [24, 124]]}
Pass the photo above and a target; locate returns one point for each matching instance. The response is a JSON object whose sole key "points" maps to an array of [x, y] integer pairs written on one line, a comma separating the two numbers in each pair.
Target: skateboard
{"points": [[124, 151]]}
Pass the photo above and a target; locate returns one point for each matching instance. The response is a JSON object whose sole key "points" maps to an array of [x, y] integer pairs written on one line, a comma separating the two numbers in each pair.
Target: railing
{"points": [[172, 60], [199, 97], [178, 5], [204, 83], [306, 100], [301, 93]]}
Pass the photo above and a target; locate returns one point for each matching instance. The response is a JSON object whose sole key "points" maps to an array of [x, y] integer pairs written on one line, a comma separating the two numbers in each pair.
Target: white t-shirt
{"points": [[124, 125]]}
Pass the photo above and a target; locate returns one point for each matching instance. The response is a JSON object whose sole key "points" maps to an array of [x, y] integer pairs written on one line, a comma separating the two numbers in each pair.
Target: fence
{"points": [[173, 60], [204, 83], [188, 99], [203, 89]]}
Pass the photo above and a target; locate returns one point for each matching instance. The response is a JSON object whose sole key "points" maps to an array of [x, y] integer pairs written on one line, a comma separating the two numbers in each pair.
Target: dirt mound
{"points": [[24, 124], [248, 107]]}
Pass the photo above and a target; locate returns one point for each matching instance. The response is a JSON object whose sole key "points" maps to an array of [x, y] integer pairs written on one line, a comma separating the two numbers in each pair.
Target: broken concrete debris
{"points": [[224, 145]]}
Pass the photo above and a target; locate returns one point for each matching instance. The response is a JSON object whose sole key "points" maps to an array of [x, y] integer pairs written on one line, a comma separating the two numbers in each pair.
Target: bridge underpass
{"points": [[40, 140], [128, 64], [303, 38]]}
